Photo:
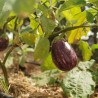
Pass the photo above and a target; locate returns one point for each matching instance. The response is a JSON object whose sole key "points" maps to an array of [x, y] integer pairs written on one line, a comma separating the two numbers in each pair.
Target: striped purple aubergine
{"points": [[63, 55], [3, 43]]}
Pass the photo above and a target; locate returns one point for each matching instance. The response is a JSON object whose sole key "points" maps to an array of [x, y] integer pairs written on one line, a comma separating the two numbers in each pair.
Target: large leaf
{"points": [[48, 63], [2, 2], [43, 8], [27, 6], [3, 17], [28, 38], [48, 25], [95, 2], [90, 17], [76, 34], [79, 82], [42, 49], [85, 49], [71, 14], [94, 47], [71, 3], [5, 8]]}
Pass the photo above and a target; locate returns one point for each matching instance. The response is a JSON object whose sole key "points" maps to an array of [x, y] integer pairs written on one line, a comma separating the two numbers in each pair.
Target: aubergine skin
{"points": [[63, 55], [3, 43]]}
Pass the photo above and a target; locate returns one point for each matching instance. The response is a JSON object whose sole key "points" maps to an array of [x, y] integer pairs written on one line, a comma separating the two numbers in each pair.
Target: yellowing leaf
{"points": [[28, 38], [33, 23], [71, 13], [48, 63], [42, 49], [76, 34], [81, 18], [85, 49]]}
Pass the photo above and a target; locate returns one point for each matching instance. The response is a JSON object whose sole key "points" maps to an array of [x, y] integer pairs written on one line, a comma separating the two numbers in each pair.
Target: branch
{"points": [[8, 53], [2, 64], [51, 37], [5, 73]]}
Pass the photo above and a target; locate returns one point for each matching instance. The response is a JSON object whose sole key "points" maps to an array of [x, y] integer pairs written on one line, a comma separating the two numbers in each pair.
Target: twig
{"points": [[8, 53], [5, 73], [2, 64], [51, 37]]}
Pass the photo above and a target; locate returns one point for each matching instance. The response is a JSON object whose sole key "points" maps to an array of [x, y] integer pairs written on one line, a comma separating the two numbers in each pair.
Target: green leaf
{"points": [[33, 23], [28, 38], [86, 65], [5, 9], [3, 17], [95, 74], [4, 85], [8, 6], [9, 61], [41, 49], [94, 47], [26, 6], [26, 29], [48, 63], [46, 77], [79, 83], [43, 8], [95, 2], [48, 25], [85, 49], [89, 16], [72, 3], [2, 2]]}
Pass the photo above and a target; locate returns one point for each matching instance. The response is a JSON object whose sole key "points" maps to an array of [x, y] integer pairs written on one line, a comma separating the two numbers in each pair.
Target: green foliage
{"points": [[90, 17], [48, 63], [95, 74], [85, 49], [47, 77], [4, 86], [2, 2], [79, 82], [48, 25], [21, 6], [41, 49], [43, 8], [94, 49], [28, 38], [70, 3]]}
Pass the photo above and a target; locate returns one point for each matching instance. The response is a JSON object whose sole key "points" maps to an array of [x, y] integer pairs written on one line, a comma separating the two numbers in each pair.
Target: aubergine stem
{"points": [[2, 64]]}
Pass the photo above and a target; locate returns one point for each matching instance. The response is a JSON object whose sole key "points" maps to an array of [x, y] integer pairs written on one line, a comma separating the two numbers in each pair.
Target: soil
{"points": [[22, 86]]}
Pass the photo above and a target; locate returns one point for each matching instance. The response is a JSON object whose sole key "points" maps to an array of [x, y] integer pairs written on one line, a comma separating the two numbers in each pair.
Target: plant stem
{"points": [[5, 73], [2, 64], [51, 37], [8, 53]]}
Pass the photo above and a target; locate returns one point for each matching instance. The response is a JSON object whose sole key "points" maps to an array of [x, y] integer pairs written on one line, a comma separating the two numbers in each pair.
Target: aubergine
{"points": [[3, 43], [63, 55]]}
